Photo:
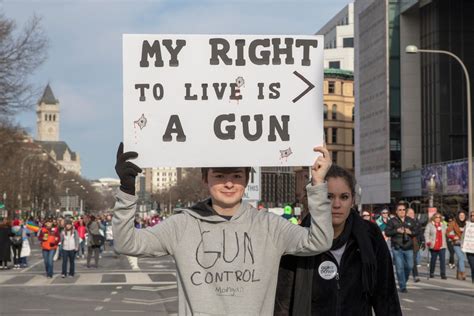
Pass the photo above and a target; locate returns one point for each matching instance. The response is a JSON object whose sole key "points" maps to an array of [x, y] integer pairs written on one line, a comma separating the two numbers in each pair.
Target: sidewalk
{"points": [[450, 273]]}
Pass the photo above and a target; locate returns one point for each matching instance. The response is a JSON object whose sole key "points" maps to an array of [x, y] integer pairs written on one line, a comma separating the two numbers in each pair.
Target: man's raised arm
{"points": [[158, 240]]}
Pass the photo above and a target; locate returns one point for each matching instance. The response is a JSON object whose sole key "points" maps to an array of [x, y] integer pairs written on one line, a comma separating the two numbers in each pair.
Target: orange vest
{"points": [[51, 242]]}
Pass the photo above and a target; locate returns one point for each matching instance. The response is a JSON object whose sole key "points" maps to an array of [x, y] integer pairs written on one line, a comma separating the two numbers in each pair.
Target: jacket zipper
{"points": [[338, 277]]}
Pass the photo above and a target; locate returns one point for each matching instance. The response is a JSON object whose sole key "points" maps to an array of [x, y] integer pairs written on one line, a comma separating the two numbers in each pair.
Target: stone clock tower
{"points": [[47, 119]]}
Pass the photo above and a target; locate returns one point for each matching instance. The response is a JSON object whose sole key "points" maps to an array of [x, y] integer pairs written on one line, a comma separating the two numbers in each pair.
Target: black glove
{"points": [[126, 170]]}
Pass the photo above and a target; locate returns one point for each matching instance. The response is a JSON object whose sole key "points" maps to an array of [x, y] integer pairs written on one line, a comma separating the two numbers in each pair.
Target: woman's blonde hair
{"points": [[434, 216]]}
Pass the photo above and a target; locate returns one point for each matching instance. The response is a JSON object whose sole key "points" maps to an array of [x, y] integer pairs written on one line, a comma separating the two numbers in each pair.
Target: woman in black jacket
{"points": [[5, 243], [353, 278]]}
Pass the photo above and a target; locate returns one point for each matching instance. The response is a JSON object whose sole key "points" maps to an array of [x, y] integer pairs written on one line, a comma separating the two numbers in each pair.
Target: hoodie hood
{"points": [[203, 210]]}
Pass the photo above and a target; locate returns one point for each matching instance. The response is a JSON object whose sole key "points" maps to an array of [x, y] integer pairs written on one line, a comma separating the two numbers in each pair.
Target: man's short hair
{"points": [[401, 203], [205, 171]]}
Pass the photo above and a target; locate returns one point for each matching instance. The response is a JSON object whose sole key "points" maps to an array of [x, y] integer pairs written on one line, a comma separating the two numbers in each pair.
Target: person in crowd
{"points": [[382, 222], [25, 247], [470, 255], [5, 243], [108, 233], [154, 220], [355, 277], [366, 216], [94, 241], [222, 234], [18, 234], [435, 238], [49, 237], [449, 219], [33, 228], [417, 241], [401, 230], [80, 227], [60, 227], [70, 242], [455, 232], [288, 214], [138, 223]]}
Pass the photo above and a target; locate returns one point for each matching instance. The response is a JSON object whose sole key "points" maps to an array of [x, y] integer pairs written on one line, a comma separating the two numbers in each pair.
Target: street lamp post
{"points": [[21, 171], [67, 199], [412, 49], [67, 190]]}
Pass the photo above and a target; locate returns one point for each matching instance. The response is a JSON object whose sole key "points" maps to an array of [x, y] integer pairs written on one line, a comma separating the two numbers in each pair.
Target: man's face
{"points": [[401, 211], [226, 188], [385, 214]]}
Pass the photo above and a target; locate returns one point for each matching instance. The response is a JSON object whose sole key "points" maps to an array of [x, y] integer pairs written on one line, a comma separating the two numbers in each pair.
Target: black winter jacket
{"points": [[398, 240], [341, 295]]}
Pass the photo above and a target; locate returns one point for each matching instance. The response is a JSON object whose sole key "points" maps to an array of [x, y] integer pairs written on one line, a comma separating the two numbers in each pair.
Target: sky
{"points": [[84, 65]]}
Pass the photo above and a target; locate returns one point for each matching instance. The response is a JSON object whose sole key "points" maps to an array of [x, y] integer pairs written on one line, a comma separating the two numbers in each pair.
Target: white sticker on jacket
{"points": [[327, 270]]}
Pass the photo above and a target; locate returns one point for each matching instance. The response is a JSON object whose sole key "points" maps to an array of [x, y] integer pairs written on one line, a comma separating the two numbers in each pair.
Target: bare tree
{"points": [[20, 55]]}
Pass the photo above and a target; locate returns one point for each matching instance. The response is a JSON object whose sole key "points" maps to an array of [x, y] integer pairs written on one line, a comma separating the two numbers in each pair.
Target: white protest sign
{"points": [[252, 191], [222, 100], [468, 238]]}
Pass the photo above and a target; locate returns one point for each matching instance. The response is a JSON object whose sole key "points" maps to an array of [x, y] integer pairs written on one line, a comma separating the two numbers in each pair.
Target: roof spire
{"points": [[48, 96]]}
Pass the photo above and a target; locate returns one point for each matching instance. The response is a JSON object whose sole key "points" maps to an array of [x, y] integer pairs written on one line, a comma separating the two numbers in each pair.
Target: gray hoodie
{"points": [[225, 267]]}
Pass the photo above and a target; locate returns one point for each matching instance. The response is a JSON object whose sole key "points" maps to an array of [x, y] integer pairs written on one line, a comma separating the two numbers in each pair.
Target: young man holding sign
{"points": [[227, 253]]}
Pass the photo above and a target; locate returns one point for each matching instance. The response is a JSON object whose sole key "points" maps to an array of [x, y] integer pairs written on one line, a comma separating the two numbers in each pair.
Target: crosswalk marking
{"points": [[137, 278], [4, 278], [38, 280], [432, 308], [89, 278]]}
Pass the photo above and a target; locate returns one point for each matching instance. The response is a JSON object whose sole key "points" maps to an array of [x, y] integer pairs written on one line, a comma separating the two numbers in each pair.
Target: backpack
{"points": [[17, 241], [98, 240]]}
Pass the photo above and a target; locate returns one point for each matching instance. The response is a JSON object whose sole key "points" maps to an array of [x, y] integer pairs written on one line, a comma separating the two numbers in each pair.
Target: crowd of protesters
{"points": [[408, 235], [62, 239]]}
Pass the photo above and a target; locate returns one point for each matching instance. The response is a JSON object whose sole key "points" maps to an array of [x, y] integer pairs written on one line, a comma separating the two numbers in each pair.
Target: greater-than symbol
{"points": [[310, 86]]}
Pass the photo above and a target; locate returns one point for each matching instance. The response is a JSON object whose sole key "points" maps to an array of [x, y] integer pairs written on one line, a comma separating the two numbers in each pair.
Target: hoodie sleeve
{"points": [[297, 240], [159, 240]]}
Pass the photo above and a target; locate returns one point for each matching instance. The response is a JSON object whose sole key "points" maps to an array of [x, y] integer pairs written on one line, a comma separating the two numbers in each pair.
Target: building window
{"points": [[334, 112], [325, 111], [353, 160], [334, 157], [334, 135], [331, 86], [353, 138], [348, 42], [353, 115], [54, 117], [335, 64], [325, 134]]}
